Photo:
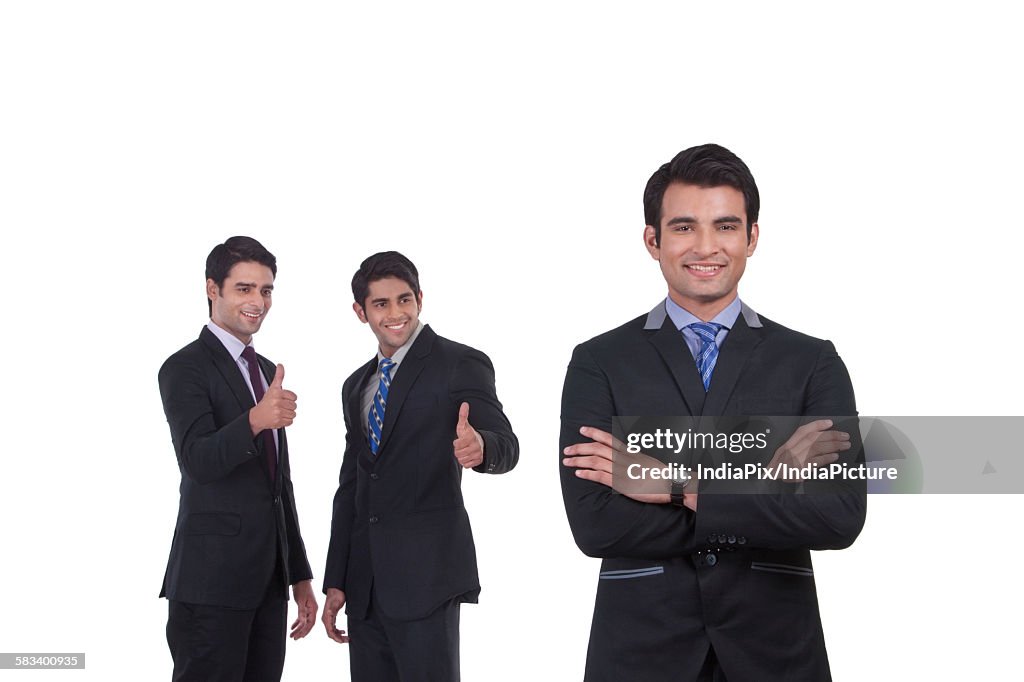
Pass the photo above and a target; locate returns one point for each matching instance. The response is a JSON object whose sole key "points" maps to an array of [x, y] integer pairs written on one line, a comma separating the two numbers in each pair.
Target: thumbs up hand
{"points": [[277, 409], [278, 380], [468, 444]]}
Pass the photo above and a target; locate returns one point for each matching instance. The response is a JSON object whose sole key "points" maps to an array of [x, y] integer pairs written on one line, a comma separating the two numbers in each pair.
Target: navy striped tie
{"points": [[380, 402], [707, 356]]}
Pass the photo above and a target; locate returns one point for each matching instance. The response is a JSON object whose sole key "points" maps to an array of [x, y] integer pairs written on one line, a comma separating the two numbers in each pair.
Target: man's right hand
{"points": [[332, 607], [277, 409], [606, 460]]}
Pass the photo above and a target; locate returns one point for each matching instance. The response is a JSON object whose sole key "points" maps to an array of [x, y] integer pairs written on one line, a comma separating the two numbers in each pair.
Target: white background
{"points": [[505, 150]]}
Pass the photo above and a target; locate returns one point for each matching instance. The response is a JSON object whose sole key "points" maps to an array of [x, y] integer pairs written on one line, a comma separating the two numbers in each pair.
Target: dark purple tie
{"points": [[257, 387]]}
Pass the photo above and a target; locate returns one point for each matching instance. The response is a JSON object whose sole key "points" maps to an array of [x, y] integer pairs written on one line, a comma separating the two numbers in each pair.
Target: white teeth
{"points": [[705, 268], [254, 316]]}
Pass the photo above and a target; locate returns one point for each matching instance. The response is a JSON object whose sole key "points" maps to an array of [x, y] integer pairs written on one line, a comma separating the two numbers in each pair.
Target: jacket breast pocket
{"points": [[418, 403], [213, 524], [769, 406]]}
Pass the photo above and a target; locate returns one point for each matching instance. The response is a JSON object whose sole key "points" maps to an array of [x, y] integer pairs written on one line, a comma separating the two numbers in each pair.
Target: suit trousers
{"points": [[383, 649], [218, 644]]}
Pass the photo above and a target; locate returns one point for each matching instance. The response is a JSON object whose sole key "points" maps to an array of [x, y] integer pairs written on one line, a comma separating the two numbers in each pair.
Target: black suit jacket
{"points": [[234, 524], [399, 522], [661, 602]]}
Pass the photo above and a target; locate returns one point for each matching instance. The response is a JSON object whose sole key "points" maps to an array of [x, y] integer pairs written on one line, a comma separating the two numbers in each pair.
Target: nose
{"points": [[255, 298], [706, 243]]}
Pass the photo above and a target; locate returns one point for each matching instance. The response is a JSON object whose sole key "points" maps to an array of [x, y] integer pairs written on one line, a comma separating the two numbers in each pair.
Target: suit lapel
{"points": [[354, 401], [232, 374], [228, 369], [671, 345], [733, 358], [408, 371]]}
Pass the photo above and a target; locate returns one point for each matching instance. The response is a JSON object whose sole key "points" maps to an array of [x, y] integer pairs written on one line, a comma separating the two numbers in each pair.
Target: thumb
{"points": [[463, 418], [278, 381]]}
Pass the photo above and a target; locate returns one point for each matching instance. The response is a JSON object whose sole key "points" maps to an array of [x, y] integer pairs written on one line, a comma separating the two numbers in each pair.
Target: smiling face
{"points": [[392, 310], [240, 305], [704, 246]]}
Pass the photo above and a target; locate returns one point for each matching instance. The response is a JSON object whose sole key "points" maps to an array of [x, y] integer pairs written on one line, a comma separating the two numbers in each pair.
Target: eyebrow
{"points": [[253, 285], [683, 219], [384, 299]]}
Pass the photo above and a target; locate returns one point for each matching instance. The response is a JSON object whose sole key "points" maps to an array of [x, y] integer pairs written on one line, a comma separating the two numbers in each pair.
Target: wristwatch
{"points": [[677, 490]]}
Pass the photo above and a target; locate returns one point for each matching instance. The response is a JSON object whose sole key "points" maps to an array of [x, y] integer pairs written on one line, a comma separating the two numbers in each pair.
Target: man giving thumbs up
{"points": [[236, 545], [401, 557]]}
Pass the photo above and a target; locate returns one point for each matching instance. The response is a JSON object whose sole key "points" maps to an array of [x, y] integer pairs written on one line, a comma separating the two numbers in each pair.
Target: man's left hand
{"points": [[303, 593], [468, 444]]}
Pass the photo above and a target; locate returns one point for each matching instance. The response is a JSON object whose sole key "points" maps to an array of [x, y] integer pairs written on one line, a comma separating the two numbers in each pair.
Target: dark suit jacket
{"points": [[399, 521], [661, 602], [234, 524]]}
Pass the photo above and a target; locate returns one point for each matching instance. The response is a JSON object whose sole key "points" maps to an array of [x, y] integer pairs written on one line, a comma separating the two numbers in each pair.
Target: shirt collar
{"points": [[230, 341], [682, 318], [399, 354]]}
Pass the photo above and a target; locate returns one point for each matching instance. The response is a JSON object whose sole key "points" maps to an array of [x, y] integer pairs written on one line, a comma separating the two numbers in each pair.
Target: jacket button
{"points": [[712, 538], [711, 559], [721, 539], [374, 477], [277, 500], [731, 540], [741, 540], [374, 519]]}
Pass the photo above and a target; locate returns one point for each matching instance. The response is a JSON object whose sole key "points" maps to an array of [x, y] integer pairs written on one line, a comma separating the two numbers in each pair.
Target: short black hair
{"points": [[708, 165], [382, 265], [235, 250]]}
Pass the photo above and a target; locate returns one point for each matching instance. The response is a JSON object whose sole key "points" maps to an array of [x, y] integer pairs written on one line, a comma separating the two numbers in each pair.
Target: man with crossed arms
{"points": [[698, 586]]}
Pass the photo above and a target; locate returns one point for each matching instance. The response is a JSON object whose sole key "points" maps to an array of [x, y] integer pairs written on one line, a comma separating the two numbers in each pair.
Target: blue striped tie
{"points": [[380, 402], [708, 354]]}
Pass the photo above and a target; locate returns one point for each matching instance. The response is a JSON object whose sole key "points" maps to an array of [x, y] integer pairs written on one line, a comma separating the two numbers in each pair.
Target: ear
{"points": [[360, 313], [752, 241], [419, 302], [212, 290], [650, 241]]}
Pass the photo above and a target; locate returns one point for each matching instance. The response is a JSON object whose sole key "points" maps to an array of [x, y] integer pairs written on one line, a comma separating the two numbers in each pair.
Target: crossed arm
{"points": [[608, 524]]}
